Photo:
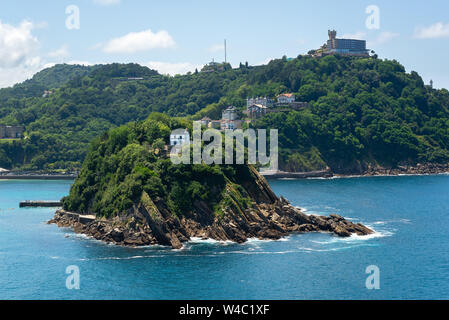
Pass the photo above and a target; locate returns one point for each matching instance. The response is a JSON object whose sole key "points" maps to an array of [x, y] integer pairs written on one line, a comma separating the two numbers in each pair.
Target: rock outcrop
{"points": [[369, 169], [150, 222], [420, 168]]}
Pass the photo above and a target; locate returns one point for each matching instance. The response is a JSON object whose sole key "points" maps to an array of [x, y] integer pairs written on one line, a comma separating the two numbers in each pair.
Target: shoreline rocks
{"points": [[368, 171], [418, 169], [150, 221], [266, 221]]}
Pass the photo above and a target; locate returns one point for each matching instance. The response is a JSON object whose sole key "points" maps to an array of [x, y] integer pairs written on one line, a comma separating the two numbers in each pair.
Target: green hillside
{"points": [[46, 79], [362, 110], [127, 161]]}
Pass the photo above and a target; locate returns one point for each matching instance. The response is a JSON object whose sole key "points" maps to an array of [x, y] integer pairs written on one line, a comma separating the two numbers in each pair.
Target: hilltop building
{"points": [[47, 93], [264, 101], [258, 107], [231, 125], [229, 120], [11, 132], [346, 47], [230, 114], [216, 67], [286, 98], [256, 111]]}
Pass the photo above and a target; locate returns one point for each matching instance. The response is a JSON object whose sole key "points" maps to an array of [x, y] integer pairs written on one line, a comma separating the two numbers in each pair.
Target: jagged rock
{"points": [[149, 222], [338, 230], [117, 235], [336, 217], [174, 242]]}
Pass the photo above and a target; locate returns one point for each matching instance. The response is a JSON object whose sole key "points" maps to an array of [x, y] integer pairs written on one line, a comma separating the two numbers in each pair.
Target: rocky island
{"points": [[129, 193]]}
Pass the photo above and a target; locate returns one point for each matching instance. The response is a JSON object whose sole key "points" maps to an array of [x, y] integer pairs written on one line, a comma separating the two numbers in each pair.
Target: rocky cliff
{"points": [[150, 222]]}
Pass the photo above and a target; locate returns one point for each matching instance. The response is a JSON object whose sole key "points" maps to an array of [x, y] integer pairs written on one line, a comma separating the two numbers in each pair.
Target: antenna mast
{"points": [[226, 52]]}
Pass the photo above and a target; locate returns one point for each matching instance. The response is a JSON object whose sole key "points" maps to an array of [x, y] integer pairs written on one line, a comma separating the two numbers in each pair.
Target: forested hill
{"points": [[361, 110], [46, 79]]}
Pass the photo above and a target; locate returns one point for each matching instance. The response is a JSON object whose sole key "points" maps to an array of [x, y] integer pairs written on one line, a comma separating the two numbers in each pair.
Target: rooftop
{"points": [[288, 95]]}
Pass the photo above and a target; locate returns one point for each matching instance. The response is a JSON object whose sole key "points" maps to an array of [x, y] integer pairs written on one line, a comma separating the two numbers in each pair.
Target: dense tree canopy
{"points": [[361, 110], [125, 163]]}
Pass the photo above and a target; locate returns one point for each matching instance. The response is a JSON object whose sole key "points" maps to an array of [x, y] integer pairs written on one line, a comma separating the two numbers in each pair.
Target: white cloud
{"points": [[437, 30], [106, 2], [140, 41], [382, 38], [18, 53], [387, 36], [22, 72], [17, 44], [11, 76], [216, 48], [62, 52], [172, 68]]}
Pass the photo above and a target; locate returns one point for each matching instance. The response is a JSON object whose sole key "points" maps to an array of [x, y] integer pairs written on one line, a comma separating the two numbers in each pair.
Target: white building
{"points": [[256, 111], [286, 98], [231, 124], [179, 137], [230, 114], [264, 101]]}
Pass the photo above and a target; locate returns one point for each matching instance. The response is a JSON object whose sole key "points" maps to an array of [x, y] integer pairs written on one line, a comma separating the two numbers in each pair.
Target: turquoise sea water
{"points": [[409, 213]]}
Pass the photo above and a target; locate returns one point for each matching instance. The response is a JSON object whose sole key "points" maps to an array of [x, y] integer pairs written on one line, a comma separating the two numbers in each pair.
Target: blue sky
{"points": [[178, 36]]}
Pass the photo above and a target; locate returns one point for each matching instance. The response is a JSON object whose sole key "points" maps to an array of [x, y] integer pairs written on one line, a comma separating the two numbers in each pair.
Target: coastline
{"points": [[371, 171], [296, 175], [265, 222], [378, 171], [271, 176], [37, 176]]}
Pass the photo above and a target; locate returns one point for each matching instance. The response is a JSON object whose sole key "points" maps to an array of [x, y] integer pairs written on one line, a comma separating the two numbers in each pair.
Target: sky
{"points": [[177, 36]]}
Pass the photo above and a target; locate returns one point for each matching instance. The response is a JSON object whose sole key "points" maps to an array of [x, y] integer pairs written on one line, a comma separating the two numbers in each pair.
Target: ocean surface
{"points": [[410, 215]]}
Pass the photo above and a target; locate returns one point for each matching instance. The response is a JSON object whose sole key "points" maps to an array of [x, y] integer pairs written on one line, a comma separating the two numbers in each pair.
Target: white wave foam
{"points": [[260, 252], [376, 234], [406, 221], [260, 241], [306, 249], [308, 212], [209, 241], [118, 258], [355, 237]]}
